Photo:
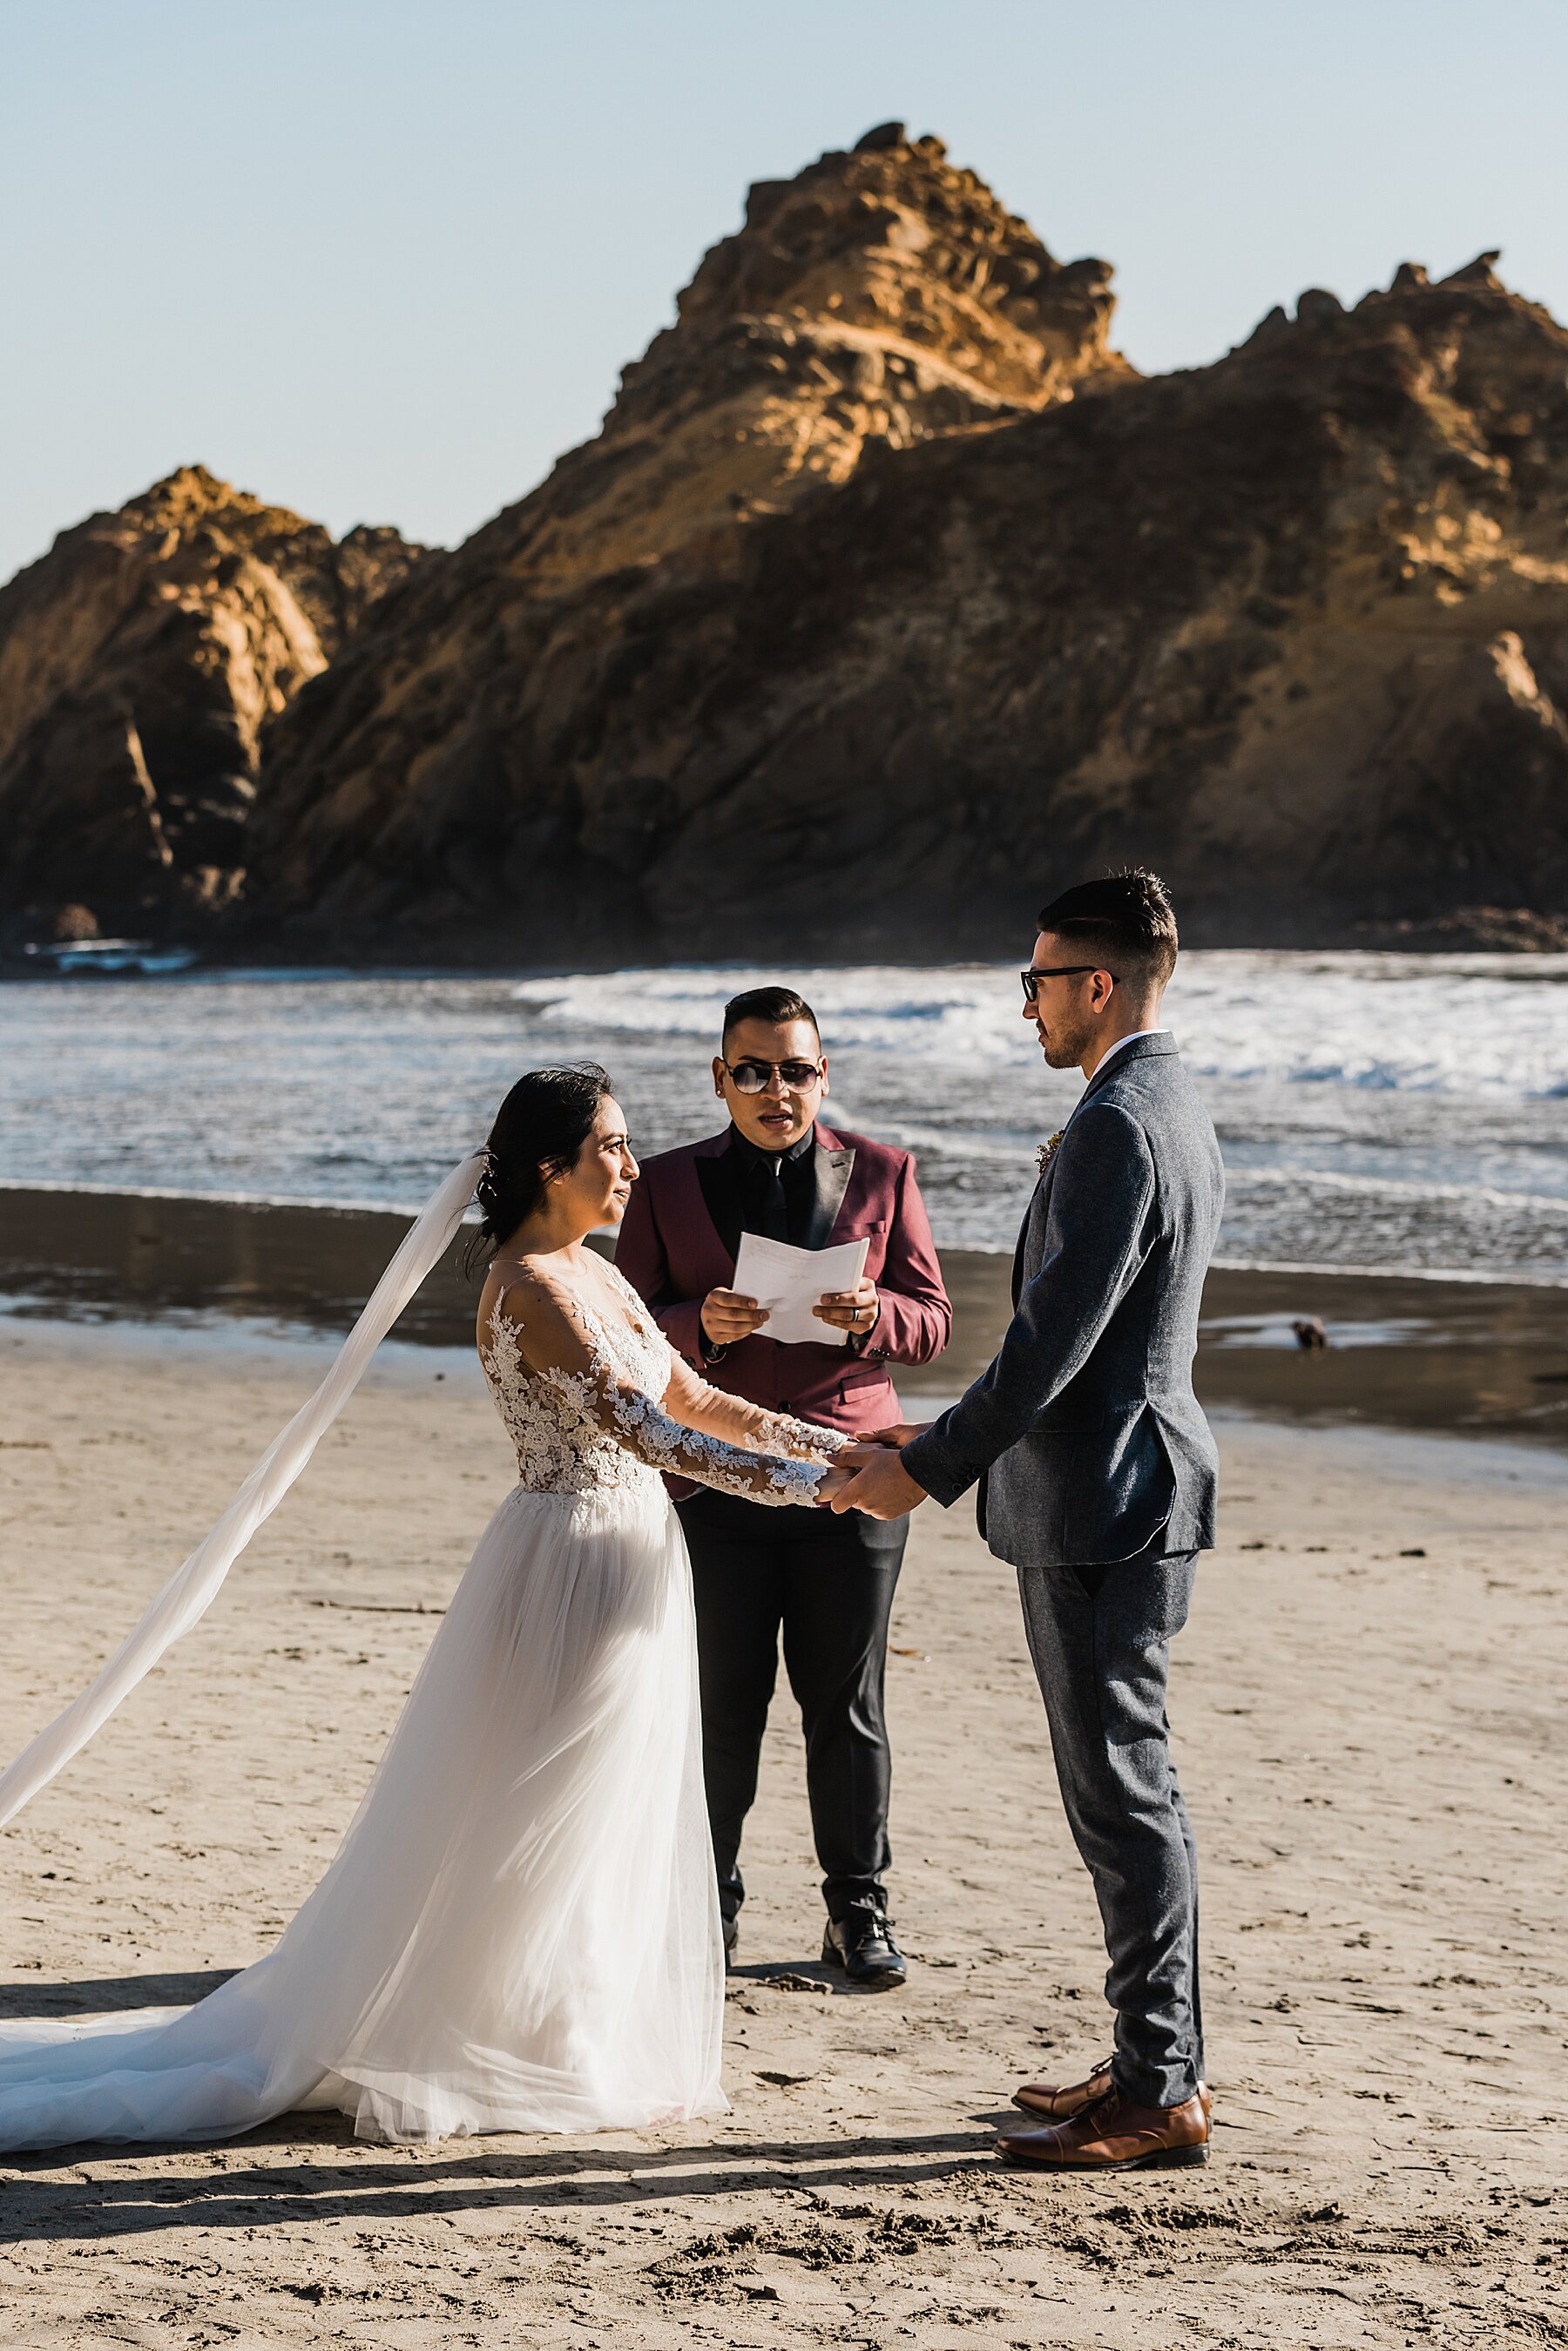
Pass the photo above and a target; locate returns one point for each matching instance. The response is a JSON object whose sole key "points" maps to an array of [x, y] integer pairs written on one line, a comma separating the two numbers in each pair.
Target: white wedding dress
{"points": [[520, 1928]]}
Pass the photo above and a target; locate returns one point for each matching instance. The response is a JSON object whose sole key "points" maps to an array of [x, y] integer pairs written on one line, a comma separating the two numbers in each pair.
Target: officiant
{"points": [[823, 1584]]}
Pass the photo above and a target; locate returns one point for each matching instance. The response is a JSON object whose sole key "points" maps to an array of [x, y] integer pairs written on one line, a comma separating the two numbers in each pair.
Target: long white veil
{"points": [[190, 1591]]}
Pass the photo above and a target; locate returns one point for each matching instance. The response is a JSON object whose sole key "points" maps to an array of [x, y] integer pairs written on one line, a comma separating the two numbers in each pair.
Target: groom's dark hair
{"points": [[1128, 919]]}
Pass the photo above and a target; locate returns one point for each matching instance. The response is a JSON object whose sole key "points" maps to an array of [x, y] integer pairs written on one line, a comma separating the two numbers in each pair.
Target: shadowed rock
{"points": [[139, 660]]}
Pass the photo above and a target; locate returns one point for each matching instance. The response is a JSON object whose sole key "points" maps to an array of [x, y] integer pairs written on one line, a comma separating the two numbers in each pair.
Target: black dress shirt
{"points": [[777, 1188]]}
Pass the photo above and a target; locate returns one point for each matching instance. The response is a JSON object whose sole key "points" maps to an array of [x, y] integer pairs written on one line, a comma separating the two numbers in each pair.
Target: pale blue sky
{"points": [[382, 261]]}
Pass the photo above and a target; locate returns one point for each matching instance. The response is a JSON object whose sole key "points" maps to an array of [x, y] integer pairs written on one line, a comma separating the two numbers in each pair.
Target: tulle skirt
{"points": [[520, 1928]]}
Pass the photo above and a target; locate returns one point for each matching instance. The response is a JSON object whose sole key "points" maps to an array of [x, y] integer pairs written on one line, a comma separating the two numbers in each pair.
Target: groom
{"points": [[1097, 1479]]}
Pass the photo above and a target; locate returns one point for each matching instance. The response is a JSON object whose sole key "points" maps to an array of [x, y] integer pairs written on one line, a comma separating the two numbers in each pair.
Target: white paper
{"points": [[790, 1281]]}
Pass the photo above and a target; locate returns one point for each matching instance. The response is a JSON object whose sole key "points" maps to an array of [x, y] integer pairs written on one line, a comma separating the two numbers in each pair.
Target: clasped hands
{"points": [[869, 1475]]}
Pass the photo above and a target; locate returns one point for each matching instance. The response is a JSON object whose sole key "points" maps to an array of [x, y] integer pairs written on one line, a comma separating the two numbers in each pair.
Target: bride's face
{"points": [[599, 1184]]}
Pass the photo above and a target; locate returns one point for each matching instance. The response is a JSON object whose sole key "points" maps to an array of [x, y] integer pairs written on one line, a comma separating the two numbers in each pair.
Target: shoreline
{"points": [[1519, 933], [289, 1359], [1477, 1358]]}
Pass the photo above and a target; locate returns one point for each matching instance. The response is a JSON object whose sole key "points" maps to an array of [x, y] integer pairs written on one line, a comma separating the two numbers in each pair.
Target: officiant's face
{"points": [[782, 1113]]}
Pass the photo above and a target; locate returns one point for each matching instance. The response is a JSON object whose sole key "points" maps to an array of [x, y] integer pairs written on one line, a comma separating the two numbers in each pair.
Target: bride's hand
{"points": [[835, 1478]]}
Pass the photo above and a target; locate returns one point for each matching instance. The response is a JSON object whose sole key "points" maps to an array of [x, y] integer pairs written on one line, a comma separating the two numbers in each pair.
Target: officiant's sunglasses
{"points": [[751, 1077], [1035, 973]]}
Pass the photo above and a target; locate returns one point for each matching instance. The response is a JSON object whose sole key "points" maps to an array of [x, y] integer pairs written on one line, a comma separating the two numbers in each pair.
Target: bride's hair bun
{"points": [[539, 1129]]}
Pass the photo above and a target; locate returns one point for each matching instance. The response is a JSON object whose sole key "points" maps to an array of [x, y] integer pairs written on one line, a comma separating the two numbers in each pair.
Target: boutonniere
{"points": [[1048, 1150]]}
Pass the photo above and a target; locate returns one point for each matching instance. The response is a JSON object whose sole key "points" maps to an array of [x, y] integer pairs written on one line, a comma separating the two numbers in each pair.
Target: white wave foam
{"points": [[1318, 1180], [1474, 1026]]}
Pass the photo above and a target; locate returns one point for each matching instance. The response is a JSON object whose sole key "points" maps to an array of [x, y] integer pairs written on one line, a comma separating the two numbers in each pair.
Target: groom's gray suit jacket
{"points": [[1084, 1434]]}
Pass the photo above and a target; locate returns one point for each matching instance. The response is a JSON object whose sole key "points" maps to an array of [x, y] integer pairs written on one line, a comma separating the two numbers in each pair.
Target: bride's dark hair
{"points": [[539, 1129]]}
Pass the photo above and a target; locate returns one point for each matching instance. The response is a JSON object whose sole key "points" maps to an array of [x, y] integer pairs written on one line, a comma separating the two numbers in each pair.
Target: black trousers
{"points": [[827, 1585], [1100, 1638]]}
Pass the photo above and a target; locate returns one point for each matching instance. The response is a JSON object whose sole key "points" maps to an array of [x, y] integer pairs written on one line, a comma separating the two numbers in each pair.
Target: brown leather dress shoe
{"points": [[1060, 2102], [1114, 2135]]}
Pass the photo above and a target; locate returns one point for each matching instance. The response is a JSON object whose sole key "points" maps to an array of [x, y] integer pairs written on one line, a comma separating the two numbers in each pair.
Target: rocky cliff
{"points": [[888, 598], [1294, 627], [885, 297], [139, 660], [881, 300]]}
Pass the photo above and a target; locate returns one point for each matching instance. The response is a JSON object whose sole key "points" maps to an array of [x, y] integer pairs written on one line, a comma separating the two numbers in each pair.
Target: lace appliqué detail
{"points": [[599, 1429], [799, 1440], [560, 1446], [688, 1453]]}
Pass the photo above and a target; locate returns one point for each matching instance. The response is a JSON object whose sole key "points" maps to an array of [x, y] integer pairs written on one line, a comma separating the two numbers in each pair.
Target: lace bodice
{"points": [[594, 1420]]}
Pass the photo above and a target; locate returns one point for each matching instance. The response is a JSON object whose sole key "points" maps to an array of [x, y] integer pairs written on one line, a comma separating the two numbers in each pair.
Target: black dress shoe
{"points": [[862, 1944]]}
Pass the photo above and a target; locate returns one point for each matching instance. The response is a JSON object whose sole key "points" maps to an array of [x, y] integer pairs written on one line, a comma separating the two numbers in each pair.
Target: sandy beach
{"points": [[1367, 1707]]}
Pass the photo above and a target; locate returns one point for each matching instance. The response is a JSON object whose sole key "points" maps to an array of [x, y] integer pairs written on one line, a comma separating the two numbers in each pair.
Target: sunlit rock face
{"points": [[139, 660], [881, 301], [884, 296]]}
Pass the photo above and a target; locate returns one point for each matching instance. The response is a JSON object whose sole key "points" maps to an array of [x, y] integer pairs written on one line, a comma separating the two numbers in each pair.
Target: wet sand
{"points": [[1485, 1358], [1368, 1710]]}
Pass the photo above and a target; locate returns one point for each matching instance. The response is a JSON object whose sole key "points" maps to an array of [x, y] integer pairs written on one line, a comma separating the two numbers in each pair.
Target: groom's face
{"points": [[1065, 1011]]}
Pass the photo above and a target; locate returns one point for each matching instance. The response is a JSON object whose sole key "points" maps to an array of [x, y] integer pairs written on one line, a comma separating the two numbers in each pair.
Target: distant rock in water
{"points": [[879, 301], [139, 660], [1293, 627]]}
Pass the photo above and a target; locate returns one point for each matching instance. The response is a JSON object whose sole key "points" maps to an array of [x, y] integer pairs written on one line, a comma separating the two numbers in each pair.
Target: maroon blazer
{"points": [[672, 1251]]}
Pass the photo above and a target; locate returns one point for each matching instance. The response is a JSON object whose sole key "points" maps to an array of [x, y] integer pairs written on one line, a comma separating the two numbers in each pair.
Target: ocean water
{"points": [[1388, 1113]]}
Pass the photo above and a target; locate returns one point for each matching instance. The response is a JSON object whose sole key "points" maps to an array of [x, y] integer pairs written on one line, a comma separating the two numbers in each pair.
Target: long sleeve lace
{"points": [[716, 1413], [647, 1430], [569, 1382]]}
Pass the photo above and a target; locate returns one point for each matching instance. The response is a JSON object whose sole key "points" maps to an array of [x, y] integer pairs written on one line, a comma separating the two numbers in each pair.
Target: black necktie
{"points": [[773, 1209]]}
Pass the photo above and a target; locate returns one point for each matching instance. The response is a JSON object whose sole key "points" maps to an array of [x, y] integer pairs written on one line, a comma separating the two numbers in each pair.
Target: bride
{"points": [[520, 1928]]}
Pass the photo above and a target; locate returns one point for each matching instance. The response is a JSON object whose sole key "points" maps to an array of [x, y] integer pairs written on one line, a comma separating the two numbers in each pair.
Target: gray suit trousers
{"points": [[1100, 1640]]}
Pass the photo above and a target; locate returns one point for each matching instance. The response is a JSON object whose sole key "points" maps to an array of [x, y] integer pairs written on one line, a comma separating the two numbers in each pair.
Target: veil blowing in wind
{"points": [[191, 1589]]}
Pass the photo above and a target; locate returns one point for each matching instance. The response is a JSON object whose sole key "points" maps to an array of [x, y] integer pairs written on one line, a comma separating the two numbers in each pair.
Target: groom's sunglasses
{"points": [[751, 1077], [1034, 975]]}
